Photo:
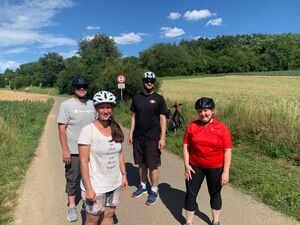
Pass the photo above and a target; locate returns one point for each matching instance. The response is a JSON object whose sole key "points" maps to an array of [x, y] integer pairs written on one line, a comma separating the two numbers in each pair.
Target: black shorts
{"points": [[146, 152]]}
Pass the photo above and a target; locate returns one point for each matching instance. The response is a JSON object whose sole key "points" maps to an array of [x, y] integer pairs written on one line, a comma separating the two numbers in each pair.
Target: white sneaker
{"points": [[72, 215]]}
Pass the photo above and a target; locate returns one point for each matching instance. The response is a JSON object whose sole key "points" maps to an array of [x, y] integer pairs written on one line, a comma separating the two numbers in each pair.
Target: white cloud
{"points": [[8, 65], [88, 37], [198, 14], [197, 37], [14, 51], [21, 23], [68, 54], [170, 32], [30, 14], [129, 38], [215, 22], [174, 15], [49, 41], [92, 27], [27, 37]]}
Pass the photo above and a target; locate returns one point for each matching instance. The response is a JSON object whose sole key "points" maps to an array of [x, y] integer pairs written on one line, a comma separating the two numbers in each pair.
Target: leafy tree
{"points": [[165, 59], [107, 79], [2, 81], [97, 53], [50, 66], [73, 66]]}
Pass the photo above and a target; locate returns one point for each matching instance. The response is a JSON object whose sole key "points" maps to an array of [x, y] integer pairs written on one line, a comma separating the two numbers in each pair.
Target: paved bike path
{"points": [[42, 199]]}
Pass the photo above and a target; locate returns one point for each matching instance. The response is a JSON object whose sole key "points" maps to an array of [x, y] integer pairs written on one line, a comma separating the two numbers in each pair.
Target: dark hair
{"points": [[205, 103], [116, 131]]}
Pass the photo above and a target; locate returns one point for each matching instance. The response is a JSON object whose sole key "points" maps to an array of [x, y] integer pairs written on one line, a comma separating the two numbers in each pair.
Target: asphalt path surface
{"points": [[42, 199]]}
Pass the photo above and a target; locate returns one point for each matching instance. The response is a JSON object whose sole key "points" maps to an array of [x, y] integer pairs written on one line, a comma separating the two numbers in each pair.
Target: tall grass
{"points": [[21, 124]]}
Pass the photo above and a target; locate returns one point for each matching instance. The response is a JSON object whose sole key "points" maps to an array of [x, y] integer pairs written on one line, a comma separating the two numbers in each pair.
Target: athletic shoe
{"points": [[72, 215], [151, 198], [140, 190], [215, 223]]}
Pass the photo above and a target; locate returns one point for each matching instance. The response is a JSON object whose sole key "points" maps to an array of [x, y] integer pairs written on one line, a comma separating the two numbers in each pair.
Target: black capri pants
{"points": [[213, 176]]}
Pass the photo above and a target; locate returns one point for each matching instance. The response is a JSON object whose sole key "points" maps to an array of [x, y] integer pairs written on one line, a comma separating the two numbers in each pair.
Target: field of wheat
{"points": [[8, 95], [270, 91]]}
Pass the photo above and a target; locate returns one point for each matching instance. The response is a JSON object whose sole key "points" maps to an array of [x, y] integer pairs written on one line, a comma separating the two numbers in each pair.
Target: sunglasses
{"points": [[149, 81], [81, 86]]}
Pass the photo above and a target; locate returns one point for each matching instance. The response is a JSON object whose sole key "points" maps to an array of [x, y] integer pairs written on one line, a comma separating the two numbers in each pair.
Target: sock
{"points": [[143, 185], [154, 189]]}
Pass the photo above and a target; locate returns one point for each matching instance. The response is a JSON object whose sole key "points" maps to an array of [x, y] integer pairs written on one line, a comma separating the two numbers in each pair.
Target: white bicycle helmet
{"points": [[149, 75], [104, 97]]}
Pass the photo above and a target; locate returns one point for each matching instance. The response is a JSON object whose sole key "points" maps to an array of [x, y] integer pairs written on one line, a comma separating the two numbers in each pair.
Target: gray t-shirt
{"points": [[75, 115]]}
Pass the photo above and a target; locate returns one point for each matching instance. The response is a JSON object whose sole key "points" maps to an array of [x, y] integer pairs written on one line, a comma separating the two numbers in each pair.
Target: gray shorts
{"points": [[146, 152], [109, 199], [72, 174]]}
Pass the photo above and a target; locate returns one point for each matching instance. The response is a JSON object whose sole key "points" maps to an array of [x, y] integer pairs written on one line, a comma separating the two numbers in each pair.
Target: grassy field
{"points": [[263, 115], [21, 124]]}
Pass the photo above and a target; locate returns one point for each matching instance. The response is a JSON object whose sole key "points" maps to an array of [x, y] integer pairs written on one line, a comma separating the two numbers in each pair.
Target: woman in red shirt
{"points": [[206, 153]]}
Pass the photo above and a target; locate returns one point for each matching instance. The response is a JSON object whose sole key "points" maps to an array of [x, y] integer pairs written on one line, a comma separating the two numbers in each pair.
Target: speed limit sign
{"points": [[121, 79]]}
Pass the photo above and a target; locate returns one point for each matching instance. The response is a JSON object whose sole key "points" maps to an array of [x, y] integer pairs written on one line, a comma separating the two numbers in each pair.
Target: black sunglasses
{"points": [[149, 81], [81, 86]]}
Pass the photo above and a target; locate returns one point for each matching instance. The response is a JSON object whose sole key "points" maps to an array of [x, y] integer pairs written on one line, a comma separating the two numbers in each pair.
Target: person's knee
{"points": [[109, 213]]}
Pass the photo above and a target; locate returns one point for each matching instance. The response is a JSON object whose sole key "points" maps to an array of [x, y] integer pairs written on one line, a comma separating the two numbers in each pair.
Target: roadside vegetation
{"points": [[263, 114], [21, 124]]}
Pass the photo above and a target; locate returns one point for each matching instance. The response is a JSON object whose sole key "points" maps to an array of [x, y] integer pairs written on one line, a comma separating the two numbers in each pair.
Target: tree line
{"points": [[101, 61]]}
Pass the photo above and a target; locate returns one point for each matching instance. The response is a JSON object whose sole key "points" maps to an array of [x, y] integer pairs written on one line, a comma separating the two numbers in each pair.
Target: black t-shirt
{"points": [[147, 109]]}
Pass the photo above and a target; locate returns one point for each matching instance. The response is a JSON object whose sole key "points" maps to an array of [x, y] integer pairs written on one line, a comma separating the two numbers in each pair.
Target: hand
{"points": [[124, 182], [130, 139], [91, 195], [161, 143], [66, 156], [224, 178], [188, 172]]}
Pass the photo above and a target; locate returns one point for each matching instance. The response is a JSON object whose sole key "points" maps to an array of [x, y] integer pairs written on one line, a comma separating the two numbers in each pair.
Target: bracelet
{"points": [[124, 174]]}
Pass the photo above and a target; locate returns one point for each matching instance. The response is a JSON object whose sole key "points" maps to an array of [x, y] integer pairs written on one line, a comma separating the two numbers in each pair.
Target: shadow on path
{"points": [[173, 199]]}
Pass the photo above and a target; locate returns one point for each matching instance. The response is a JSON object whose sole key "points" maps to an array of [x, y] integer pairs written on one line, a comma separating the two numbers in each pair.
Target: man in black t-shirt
{"points": [[147, 135]]}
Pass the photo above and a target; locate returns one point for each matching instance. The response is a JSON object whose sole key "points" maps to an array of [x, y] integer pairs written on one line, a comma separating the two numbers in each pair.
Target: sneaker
{"points": [[140, 190], [72, 215], [151, 198]]}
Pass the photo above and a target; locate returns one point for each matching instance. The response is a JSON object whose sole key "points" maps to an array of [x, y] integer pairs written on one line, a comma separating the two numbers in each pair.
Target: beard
{"points": [[148, 90]]}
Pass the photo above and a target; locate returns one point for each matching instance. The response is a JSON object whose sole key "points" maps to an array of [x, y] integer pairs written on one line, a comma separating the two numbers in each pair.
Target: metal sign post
{"points": [[121, 79]]}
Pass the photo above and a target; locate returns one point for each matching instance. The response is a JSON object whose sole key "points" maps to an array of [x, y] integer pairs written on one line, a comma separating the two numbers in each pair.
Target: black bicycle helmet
{"points": [[79, 81], [204, 103]]}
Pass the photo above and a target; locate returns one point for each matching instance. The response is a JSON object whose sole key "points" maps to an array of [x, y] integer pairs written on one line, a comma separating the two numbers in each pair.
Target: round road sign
{"points": [[121, 79]]}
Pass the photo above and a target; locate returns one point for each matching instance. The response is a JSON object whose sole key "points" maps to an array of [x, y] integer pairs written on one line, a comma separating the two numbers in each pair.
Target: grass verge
{"points": [[21, 125]]}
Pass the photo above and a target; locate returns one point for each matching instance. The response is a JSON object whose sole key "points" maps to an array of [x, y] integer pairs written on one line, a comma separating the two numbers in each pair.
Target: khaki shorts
{"points": [[109, 199], [146, 152]]}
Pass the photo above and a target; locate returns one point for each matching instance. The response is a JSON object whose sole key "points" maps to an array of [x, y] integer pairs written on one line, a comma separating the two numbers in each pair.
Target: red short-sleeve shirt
{"points": [[207, 143]]}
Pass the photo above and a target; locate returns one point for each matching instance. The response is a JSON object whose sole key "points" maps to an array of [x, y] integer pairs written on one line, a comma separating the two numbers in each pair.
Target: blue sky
{"points": [[31, 28]]}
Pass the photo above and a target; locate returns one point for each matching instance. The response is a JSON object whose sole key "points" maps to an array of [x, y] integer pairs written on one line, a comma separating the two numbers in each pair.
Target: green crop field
{"points": [[256, 91]]}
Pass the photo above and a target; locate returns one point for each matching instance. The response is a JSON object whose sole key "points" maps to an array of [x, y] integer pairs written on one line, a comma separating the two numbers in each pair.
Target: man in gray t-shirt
{"points": [[74, 114]]}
